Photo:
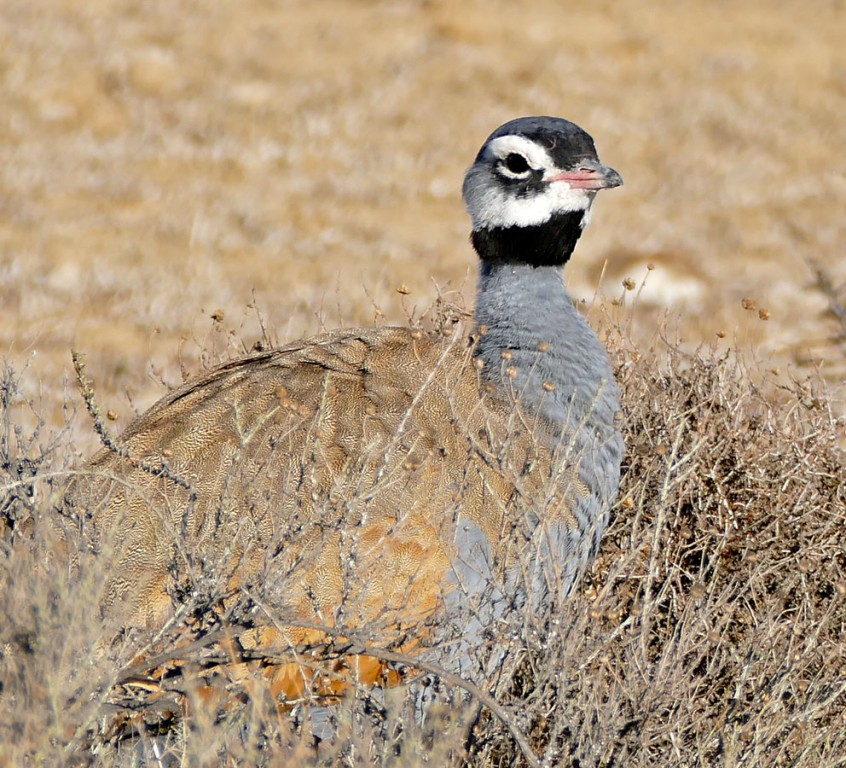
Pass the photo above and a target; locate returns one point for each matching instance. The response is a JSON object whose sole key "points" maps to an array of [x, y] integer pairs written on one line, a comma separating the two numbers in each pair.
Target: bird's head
{"points": [[532, 169]]}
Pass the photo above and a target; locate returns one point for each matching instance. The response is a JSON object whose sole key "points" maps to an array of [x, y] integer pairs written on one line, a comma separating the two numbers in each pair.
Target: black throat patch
{"points": [[543, 245]]}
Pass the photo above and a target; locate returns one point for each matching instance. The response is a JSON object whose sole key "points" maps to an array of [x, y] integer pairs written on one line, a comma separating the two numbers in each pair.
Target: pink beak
{"points": [[588, 174]]}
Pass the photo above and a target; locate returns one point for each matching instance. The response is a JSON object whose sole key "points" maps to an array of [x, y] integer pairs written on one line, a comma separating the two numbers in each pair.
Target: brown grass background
{"points": [[163, 160], [299, 165]]}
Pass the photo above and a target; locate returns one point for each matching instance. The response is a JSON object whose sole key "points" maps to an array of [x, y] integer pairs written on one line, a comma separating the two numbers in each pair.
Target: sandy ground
{"points": [[163, 161]]}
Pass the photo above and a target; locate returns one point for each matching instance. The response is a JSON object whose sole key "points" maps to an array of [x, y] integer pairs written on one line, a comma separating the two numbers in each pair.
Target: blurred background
{"points": [[164, 163]]}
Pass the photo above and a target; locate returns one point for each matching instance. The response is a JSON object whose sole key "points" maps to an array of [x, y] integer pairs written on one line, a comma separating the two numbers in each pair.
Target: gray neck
{"points": [[525, 309]]}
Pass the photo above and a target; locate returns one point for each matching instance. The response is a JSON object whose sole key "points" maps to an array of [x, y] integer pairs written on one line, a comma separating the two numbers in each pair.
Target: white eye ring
{"points": [[514, 166]]}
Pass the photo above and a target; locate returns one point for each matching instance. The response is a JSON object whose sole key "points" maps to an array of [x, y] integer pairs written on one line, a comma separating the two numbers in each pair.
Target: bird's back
{"points": [[331, 477]]}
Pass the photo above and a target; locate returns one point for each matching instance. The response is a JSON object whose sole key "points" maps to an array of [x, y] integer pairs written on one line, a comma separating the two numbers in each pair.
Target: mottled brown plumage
{"points": [[340, 466]]}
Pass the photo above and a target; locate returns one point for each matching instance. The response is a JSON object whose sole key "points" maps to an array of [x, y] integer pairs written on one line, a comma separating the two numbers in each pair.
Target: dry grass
{"points": [[161, 161], [709, 632]]}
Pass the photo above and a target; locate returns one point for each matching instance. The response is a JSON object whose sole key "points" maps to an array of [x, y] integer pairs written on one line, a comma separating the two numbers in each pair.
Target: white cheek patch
{"points": [[491, 205]]}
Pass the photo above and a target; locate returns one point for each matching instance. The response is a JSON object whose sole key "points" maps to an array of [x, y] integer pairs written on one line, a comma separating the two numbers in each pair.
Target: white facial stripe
{"points": [[536, 156]]}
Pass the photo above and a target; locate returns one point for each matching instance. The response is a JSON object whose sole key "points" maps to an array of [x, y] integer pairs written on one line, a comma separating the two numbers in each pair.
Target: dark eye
{"points": [[516, 163]]}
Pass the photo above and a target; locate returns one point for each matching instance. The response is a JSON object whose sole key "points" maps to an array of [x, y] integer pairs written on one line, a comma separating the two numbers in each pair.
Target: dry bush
{"points": [[709, 631]]}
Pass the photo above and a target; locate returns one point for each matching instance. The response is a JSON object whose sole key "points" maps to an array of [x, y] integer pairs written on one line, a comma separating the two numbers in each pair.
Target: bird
{"points": [[404, 486]]}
